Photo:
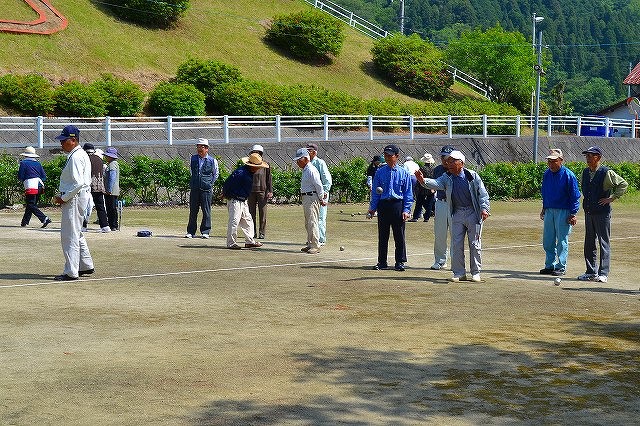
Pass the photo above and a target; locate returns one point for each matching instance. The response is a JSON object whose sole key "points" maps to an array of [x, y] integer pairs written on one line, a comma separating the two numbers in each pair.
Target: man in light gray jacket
{"points": [[469, 208]]}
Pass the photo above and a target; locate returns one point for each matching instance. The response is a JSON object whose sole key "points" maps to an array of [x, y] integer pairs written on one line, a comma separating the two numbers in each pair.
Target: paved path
{"points": [[49, 20]]}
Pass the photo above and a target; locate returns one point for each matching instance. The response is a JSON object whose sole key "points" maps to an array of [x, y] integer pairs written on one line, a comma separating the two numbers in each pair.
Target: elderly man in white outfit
{"points": [[327, 181], [75, 195], [312, 195]]}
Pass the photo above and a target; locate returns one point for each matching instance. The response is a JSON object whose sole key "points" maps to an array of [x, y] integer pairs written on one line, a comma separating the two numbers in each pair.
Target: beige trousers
{"points": [[239, 217], [311, 206]]}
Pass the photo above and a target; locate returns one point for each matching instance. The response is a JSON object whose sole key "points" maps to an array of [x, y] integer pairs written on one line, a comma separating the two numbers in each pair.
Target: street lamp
{"points": [[535, 19], [539, 71]]}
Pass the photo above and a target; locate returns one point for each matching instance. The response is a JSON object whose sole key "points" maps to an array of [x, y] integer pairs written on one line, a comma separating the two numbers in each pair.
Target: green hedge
{"points": [[150, 13], [177, 99], [155, 181]]}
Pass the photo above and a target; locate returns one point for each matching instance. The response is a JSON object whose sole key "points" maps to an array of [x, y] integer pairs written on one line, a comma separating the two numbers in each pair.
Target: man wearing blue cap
{"points": [[391, 198], [74, 196], [600, 187], [442, 219]]}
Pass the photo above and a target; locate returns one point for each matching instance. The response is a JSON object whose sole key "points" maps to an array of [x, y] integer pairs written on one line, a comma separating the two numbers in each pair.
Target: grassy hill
{"points": [[229, 31]]}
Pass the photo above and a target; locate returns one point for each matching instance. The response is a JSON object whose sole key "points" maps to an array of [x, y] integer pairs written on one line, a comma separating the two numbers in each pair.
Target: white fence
{"points": [[350, 18], [41, 131]]}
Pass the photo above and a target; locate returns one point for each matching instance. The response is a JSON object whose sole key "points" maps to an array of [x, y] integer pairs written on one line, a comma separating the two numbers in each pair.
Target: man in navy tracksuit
{"points": [[204, 172], [32, 176]]}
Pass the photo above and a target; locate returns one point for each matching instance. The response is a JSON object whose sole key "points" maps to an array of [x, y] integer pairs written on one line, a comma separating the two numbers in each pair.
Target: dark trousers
{"points": [[424, 200], [390, 217], [199, 200], [111, 206], [259, 200], [597, 227], [99, 203], [31, 207]]}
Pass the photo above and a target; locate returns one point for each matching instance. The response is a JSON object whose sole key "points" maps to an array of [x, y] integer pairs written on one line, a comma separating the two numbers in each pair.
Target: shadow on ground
{"points": [[591, 378]]}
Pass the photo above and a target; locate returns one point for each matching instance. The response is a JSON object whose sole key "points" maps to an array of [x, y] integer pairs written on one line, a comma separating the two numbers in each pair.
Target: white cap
{"points": [[257, 148], [301, 153], [203, 141], [457, 155], [428, 158]]}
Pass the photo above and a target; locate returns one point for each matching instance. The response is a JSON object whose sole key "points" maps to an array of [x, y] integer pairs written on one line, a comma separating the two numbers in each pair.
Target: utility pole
{"points": [[402, 17], [538, 69]]}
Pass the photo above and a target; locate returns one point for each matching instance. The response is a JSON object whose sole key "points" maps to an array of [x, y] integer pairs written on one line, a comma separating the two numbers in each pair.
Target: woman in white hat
{"points": [[32, 176]]}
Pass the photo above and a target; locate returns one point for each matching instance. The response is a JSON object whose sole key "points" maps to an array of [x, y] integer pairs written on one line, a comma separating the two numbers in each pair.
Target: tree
{"points": [[503, 60], [592, 96]]}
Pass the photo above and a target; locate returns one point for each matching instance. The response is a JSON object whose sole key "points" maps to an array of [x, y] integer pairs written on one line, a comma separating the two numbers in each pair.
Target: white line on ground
{"points": [[244, 268]]}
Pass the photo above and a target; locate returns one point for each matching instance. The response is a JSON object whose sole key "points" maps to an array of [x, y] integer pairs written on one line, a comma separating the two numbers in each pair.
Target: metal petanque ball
{"points": [[341, 248], [353, 214], [379, 190], [557, 281]]}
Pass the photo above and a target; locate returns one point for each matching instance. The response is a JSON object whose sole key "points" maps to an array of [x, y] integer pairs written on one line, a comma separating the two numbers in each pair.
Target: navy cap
{"points": [[391, 149], [446, 150], [593, 150], [69, 131], [89, 147]]}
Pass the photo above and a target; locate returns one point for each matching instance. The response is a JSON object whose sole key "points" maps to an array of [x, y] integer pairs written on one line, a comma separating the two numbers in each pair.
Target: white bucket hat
{"points": [[30, 152]]}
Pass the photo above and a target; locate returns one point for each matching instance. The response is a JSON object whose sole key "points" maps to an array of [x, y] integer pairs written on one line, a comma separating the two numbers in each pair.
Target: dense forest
{"points": [[586, 39]]}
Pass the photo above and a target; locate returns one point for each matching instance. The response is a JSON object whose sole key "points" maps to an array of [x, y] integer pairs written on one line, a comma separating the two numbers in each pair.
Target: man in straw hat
{"points": [[204, 172], [74, 196], [560, 204], [236, 190], [32, 176]]}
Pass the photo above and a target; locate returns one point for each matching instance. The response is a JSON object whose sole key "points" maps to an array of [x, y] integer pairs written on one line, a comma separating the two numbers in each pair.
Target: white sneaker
{"points": [[475, 278], [83, 229], [105, 229], [321, 244], [437, 266], [587, 277], [205, 236], [601, 279], [188, 236], [456, 279]]}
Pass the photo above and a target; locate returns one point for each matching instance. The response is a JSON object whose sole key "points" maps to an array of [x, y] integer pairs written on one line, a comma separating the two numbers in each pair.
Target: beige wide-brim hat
{"points": [[255, 160], [30, 152], [428, 158]]}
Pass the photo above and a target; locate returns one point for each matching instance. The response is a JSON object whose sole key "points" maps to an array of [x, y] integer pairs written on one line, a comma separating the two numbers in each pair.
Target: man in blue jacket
{"points": [[204, 172], [560, 204]]}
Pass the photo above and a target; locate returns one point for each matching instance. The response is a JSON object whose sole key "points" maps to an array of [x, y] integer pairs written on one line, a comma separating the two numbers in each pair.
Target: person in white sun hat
{"points": [[32, 176]]}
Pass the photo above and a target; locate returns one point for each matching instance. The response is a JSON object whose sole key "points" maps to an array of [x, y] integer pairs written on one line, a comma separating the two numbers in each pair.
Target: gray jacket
{"points": [[479, 194]]}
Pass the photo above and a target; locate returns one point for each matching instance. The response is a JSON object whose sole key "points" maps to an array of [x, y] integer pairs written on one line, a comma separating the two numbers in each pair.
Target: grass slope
{"points": [[230, 31]]}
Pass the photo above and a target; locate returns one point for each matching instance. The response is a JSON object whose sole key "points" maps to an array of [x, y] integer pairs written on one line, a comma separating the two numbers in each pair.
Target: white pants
{"points": [[311, 206], [322, 222], [239, 216], [441, 224], [74, 246]]}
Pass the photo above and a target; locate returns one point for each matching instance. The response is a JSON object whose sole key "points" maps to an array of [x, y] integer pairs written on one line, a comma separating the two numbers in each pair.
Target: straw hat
{"points": [[30, 152], [255, 160]]}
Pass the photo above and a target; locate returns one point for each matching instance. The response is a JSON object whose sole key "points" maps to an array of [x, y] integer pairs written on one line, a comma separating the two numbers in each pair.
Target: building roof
{"points": [[634, 76]]}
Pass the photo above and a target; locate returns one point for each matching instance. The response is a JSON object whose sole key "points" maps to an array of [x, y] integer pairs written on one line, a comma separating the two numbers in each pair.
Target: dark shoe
{"points": [[235, 247], [64, 277], [546, 271], [305, 249], [412, 220], [253, 245], [87, 272], [46, 222], [261, 236], [426, 220], [399, 267], [558, 272], [380, 267]]}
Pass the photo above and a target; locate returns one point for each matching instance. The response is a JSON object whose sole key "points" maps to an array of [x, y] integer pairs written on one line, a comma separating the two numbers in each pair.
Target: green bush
{"points": [[413, 65], [309, 35], [286, 184], [29, 94], [350, 181], [151, 13], [10, 186], [209, 76], [122, 98], [75, 99], [177, 99]]}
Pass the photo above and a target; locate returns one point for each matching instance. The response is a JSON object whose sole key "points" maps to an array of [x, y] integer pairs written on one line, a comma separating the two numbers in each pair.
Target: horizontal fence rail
{"points": [[41, 131]]}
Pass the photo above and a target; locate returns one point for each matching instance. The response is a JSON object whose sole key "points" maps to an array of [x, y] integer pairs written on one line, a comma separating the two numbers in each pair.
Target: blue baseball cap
{"points": [[446, 150], [69, 131], [593, 150], [391, 149]]}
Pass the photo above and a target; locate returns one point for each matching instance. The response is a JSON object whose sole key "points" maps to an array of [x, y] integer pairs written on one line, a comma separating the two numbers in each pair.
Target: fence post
{"points": [[39, 131], [517, 126], [633, 128], [606, 127], [411, 134], [484, 125], [449, 127], [370, 122], [325, 126], [225, 128], [107, 130], [170, 129], [579, 126], [548, 125], [278, 129]]}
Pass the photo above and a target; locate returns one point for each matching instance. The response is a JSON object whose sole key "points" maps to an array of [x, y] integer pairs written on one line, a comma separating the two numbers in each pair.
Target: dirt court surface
{"points": [[174, 331]]}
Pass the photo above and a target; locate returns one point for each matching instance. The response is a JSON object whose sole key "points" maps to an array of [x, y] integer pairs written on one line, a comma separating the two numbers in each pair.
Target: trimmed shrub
{"points": [[210, 77], [122, 98], [75, 99], [29, 94], [412, 65], [10, 186], [176, 99], [151, 13], [350, 181], [286, 184], [308, 35]]}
